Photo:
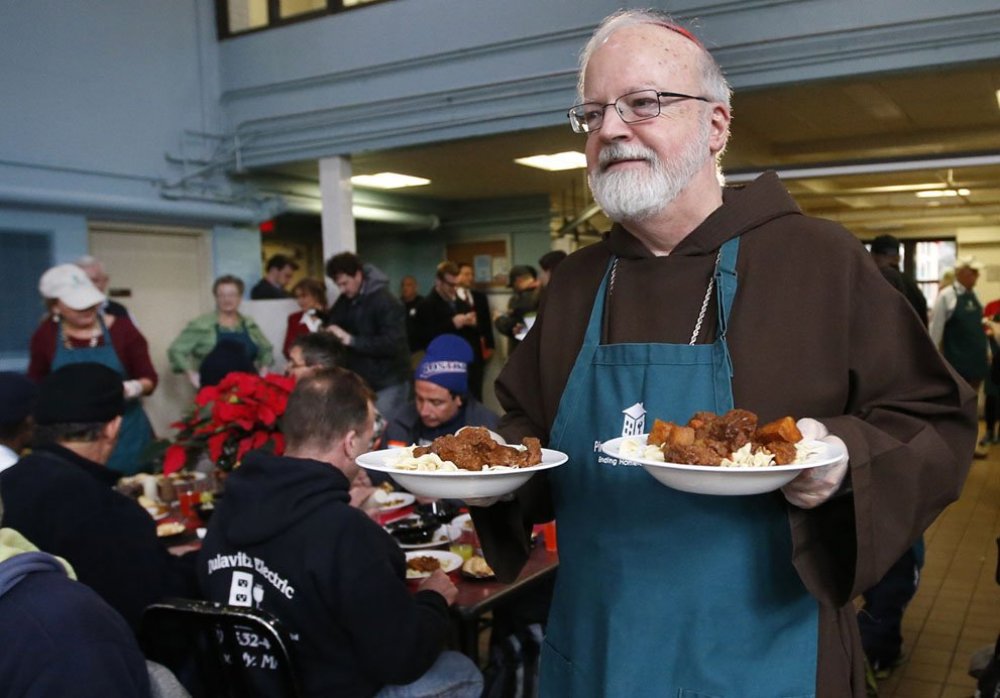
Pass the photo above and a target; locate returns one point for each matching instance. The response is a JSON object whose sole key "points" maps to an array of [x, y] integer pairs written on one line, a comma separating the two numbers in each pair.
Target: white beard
{"points": [[636, 194]]}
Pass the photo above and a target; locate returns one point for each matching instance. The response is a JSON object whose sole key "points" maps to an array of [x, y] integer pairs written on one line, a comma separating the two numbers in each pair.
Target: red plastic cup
{"points": [[549, 536]]}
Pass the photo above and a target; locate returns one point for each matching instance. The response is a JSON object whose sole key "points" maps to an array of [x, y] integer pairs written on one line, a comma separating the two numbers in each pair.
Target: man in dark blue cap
{"points": [[62, 497], [17, 397], [443, 403]]}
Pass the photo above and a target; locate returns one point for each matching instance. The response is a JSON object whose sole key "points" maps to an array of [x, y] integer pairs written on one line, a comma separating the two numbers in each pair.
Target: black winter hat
{"points": [[83, 392]]}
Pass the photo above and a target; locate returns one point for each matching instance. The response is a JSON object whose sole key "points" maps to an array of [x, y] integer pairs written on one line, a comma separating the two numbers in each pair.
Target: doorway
{"points": [[164, 277]]}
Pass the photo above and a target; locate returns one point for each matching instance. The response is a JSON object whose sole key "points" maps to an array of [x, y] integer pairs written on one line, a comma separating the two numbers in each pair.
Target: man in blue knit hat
{"points": [[443, 403]]}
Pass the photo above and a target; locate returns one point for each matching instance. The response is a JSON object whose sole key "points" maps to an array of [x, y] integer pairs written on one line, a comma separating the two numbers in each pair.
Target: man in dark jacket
{"points": [[278, 273], [371, 324], [522, 306], [286, 540], [484, 323], [443, 312], [59, 637], [61, 496]]}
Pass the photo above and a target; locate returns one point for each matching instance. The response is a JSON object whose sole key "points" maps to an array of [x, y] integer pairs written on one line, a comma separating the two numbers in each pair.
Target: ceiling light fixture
{"points": [[568, 160], [938, 193], [388, 180]]}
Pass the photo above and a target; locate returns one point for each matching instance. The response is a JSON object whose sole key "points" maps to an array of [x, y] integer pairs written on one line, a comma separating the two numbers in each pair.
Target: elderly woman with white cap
{"points": [[76, 331]]}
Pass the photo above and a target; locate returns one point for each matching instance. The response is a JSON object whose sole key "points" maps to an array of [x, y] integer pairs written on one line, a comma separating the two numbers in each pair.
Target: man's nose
{"points": [[613, 127]]}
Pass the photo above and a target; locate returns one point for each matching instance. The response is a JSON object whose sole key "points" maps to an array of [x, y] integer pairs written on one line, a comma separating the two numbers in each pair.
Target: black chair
{"points": [[217, 650]]}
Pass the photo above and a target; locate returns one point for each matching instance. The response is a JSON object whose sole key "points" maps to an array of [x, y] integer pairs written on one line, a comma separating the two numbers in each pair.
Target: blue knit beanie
{"points": [[446, 363]]}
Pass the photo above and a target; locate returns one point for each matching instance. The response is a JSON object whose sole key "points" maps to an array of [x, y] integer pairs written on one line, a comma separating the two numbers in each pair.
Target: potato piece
{"points": [[783, 429], [658, 435], [680, 436]]}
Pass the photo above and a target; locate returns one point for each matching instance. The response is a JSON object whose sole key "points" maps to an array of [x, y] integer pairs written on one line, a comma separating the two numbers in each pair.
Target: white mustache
{"points": [[617, 152]]}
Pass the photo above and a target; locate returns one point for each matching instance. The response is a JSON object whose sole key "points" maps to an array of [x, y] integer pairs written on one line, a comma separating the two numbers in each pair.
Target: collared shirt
{"points": [[944, 308]]}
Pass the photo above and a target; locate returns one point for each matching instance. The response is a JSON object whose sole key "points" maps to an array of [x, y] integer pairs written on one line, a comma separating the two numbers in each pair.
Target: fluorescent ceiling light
{"points": [[894, 188], [388, 180], [569, 160], [935, 193]]}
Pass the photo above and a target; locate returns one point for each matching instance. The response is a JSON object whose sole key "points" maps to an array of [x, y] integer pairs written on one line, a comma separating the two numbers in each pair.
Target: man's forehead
{"points": [[665, 56], [430, 391]]}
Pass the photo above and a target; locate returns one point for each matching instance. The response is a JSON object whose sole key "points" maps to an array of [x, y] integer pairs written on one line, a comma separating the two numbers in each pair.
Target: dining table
{"points": [[476, 597]]}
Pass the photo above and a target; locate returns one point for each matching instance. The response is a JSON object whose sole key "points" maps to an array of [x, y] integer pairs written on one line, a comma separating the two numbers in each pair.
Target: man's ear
{"points": [[349, 443], [718, 134], [113, 428]]}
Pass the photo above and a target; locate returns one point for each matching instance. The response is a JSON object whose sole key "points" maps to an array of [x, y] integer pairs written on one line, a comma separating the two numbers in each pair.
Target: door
{"points": [[163, 276]]}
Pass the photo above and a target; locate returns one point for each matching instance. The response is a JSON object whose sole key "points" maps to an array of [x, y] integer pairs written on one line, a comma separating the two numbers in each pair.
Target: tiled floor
{"points": [[957, 607]]}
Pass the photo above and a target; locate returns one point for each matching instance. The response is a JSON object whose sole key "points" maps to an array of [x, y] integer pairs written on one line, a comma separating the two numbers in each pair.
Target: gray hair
{"points": [[714, 83], [89, 261]]}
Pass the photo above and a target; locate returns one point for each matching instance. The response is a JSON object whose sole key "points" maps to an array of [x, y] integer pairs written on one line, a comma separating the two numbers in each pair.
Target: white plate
{"points": [[449, 561], [710, 479], [397, 500], [460, 484]]}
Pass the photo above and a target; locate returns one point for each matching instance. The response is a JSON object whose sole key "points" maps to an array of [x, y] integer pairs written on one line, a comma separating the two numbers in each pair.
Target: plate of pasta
{"points": [[464, 465]]}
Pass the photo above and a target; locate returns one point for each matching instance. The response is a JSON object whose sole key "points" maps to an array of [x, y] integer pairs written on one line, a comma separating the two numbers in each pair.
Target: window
{"points": [[930, 259], [235, 17], [25, 257]]}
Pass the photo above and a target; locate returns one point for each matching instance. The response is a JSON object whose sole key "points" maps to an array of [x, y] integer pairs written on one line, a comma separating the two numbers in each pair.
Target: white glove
{"points": [[813, 486], [133, 388], [194, 378]]}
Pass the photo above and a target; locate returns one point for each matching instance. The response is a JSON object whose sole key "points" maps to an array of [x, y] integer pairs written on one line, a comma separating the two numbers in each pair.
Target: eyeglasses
{"points": [[632, 107]]}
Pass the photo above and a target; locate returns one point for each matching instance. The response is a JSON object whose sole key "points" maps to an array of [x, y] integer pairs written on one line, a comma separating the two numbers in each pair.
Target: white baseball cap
{"points": [[69, 284], [970, 262]]}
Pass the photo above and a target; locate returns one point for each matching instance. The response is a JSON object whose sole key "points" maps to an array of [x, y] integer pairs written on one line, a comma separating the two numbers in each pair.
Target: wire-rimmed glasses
{"points": [[632, 107]]}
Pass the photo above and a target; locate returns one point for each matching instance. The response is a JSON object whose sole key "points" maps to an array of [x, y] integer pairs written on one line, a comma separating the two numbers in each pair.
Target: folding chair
{"points": [[218, 650]]}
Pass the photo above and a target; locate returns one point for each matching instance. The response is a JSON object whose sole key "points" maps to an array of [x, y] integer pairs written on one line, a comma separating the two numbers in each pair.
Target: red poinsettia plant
{"points": [[237, 415]]}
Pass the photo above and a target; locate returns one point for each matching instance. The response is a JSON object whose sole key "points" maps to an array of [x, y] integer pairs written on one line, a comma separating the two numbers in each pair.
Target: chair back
{"points": [[218, 650]]}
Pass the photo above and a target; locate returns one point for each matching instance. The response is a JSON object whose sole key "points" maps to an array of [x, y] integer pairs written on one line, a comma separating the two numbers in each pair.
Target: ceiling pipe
{"points": [[860, 168]]}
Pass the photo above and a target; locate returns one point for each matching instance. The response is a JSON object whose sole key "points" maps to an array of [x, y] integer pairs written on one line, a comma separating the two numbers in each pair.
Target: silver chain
{"points": [[704, 303]]}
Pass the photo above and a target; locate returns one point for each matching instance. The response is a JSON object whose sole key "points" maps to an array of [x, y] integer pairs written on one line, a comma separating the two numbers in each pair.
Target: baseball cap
{"points": [[69, 284]]}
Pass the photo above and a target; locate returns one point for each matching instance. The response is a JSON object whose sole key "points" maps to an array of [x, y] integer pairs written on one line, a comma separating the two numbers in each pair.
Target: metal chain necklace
{"points": [[704, 302]]}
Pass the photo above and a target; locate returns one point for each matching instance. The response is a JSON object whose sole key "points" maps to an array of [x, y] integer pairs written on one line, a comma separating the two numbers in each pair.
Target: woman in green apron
{"points": [[78, 332]]}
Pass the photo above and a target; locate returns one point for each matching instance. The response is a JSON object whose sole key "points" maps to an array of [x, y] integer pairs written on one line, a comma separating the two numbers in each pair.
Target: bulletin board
{"points": [[489, 259]]}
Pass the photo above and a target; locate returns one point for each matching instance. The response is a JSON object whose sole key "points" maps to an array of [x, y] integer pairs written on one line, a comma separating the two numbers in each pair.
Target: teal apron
{"points": [[964, 342], [136, 431], [238, 335], [661, 592]]}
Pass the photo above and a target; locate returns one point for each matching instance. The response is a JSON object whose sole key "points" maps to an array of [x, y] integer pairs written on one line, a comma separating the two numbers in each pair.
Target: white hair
{"points": [[87, 261], [713, 82]]}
